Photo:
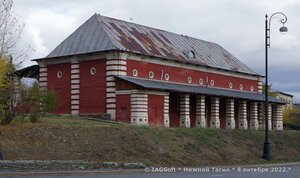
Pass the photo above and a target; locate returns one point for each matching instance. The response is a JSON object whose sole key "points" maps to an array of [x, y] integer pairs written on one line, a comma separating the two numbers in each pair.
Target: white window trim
{"points": [[135, 72], [59, 74], [151, 74], [189, 79], [200, 81], [167, 77], [93, 71]]}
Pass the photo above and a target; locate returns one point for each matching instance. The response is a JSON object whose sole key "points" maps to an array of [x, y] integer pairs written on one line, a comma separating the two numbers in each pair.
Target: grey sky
{"points": [[237, 25]]}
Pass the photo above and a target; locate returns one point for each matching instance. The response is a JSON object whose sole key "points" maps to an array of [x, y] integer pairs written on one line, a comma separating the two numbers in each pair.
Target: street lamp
{"points": [[266, 154]]}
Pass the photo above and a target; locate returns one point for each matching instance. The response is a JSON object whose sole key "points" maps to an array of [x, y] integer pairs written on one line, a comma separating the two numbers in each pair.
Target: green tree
{"points": [[3, 70], [46, 101], [271, 92]]}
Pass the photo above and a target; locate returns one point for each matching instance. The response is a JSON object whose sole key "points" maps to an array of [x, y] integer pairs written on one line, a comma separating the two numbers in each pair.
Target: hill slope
{"points": [[77, 139]]}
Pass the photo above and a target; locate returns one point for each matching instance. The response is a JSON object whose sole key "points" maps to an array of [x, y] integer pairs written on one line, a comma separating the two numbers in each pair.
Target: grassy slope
{"points": [[77, 139]]}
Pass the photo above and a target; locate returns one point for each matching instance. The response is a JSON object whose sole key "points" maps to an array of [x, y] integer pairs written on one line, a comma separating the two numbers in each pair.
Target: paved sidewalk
{"points": [[116, 169]]}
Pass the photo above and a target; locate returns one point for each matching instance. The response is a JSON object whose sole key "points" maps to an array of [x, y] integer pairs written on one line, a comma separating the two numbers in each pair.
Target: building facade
{"points": [[147, 76], [287, 98]]}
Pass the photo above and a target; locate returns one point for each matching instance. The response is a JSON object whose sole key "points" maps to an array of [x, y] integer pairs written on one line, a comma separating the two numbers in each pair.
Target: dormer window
{"points": [[191, 54]]}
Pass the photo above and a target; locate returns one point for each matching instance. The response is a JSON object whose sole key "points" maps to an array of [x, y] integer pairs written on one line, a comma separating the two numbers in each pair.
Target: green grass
{"points": [[68, 137], [68, 121]]}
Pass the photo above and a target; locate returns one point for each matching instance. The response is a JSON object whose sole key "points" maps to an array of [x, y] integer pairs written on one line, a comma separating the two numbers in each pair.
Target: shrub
{"points": [[34, 118], [291, 118]]}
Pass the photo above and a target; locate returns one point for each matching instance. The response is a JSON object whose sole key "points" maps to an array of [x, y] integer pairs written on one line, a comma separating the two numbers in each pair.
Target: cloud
{"points": [[237, 25]]}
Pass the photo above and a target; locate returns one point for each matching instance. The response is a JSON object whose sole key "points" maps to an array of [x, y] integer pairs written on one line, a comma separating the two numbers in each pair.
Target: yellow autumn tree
{"points": [[3, 70]]}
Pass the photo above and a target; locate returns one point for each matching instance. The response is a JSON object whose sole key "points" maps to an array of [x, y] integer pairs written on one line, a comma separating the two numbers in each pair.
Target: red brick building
{"points": [[147, 76]]}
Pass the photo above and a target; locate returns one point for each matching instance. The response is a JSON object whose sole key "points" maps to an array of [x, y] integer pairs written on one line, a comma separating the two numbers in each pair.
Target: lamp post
{"points": [[266, 153]]}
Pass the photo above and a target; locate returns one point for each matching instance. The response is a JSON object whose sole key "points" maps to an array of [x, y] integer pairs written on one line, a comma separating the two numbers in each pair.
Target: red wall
{"points": [[93, 87], [62, 86], [155, 110], [123, 108], [180, 75]]}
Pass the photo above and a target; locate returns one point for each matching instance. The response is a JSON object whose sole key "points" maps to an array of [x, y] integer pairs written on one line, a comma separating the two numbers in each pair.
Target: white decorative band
{"points": [[110, 84], [74, 107], [75, 66], [110, 78], [111, 100], [110, 106], [76, 81], [75, 97], [75, 102], [43, 69], [116, 68], [75, 91], [74, 86], [43, 74], [110, 90], [43, 84], [75, 71], [43, 79], [116, 62], [75, 76], [108, 73]]}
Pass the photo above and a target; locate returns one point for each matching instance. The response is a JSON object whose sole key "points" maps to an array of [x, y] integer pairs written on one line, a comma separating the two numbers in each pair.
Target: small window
{"points": [[167, 76], [189, 79], [135, 72], [230, 85], [191, 54], [59, 74], [200, 81], [241, 87], [151, 74], [93, 71], [212, 83]]}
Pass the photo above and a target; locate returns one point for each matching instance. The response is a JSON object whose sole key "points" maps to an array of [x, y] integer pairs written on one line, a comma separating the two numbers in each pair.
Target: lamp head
{"points": [[283, 29]]}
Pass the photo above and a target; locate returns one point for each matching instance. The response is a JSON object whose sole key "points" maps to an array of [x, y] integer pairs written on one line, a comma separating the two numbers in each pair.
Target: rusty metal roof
{"points": [[193, 89], [100, 33]]}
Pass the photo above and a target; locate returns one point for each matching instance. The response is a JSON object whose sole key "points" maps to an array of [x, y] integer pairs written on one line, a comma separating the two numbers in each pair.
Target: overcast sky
{"points": [[237, 25]]}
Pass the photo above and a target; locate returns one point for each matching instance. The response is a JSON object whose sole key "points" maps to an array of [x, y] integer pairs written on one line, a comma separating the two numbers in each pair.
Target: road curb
{"points": [[56, 165]]}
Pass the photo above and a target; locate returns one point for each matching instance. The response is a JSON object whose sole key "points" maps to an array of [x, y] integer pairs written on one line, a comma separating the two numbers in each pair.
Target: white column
{"points": [[139, 109], [243, 124], [185, 120], [259, 85], [116, 65], [166, 111], [43, 77], [17, 91], [200, 111], [270, 117], [43, 80], [253, 116], [230, 122], [259, 116], [75, 87], [215, 119], [277, 117]]}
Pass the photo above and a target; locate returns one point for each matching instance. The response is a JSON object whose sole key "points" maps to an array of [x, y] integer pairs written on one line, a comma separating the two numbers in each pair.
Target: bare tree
{"points": [[10, 29]]}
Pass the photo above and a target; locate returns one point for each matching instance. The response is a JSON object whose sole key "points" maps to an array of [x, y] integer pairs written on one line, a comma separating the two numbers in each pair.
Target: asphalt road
{"points": [[292, 171]]}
